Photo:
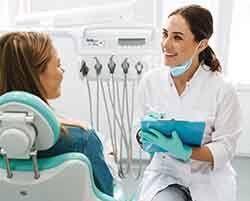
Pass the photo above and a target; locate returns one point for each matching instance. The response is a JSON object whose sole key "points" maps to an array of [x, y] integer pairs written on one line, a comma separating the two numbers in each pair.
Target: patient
{"points": [[29, 62]]}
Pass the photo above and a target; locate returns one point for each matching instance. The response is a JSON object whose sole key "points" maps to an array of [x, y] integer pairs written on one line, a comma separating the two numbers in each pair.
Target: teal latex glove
{"points": [[172, 144], [150, 147]]}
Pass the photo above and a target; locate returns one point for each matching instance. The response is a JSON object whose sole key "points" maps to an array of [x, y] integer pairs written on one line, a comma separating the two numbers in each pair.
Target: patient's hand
{"points": [[71, 122]]}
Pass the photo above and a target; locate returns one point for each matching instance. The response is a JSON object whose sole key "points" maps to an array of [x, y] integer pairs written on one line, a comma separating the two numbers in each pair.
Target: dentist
{"points": [[190, 87]]}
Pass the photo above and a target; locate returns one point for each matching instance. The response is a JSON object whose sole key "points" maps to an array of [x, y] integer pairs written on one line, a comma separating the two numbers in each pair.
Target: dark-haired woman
{"points": [[190, 87]]}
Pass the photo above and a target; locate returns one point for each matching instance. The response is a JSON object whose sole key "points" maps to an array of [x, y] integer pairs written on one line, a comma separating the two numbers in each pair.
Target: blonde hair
{"points": [[23, 57]]}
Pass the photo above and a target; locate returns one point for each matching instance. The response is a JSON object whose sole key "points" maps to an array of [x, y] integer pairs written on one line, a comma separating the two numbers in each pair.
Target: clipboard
{"points": [[190, 132]]}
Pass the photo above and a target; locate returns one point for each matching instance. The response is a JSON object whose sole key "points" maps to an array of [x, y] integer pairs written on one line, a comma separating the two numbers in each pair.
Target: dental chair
{"points": [[28, 125]]}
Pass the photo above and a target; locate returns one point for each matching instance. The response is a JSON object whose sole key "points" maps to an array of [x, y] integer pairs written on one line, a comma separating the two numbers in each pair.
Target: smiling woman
{"points": [[180, 171], [185, 37], [29, 62], [52, 76]]}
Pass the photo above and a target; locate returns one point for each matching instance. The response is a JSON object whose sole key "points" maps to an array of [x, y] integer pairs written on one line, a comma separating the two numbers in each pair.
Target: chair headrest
{"points": [[26, 121]]}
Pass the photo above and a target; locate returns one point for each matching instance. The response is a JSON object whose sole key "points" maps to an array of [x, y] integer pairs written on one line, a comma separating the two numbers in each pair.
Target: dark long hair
{"points": [[200, 22]]}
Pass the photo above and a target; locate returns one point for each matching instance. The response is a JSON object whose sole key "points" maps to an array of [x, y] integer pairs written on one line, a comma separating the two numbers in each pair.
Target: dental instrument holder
{"points": [[191, 133], [98, 66], [125, 66], [111, 65], [139, 67], [84, 68], [22, 120], [117, 48]]}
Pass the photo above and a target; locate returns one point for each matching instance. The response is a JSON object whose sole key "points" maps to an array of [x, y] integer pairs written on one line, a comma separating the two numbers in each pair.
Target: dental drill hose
{"points": [[84, 71], [98, 68]]}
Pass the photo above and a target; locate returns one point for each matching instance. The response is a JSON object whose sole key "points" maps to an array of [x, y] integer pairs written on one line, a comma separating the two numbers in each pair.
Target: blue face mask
{"points": [[182, 68]]}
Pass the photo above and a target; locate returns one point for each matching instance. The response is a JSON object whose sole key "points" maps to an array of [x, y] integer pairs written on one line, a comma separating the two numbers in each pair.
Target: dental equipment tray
{"points": [[191, 133]]}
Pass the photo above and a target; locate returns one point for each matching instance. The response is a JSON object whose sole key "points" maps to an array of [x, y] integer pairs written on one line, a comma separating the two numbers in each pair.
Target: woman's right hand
{"points": [[172, 144], [76, 123]]}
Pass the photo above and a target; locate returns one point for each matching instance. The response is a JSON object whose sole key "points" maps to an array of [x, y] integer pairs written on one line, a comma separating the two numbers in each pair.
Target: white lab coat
{"points": [[207, 97]]}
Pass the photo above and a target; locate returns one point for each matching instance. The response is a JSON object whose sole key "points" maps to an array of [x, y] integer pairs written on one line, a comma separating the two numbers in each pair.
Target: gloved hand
{"points": [[172, 144], [149, 147]]}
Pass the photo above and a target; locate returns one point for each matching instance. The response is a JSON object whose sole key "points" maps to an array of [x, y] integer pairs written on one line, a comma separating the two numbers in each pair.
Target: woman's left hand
{"points": [[172, 144]]}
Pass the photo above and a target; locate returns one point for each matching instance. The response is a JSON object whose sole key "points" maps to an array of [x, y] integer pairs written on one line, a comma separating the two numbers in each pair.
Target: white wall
{"points": [[47, 5], [4, 17], [144, 11], [243, 148]]}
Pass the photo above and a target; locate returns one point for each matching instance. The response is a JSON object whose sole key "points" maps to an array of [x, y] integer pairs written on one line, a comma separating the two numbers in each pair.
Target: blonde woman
{"points": [[29, 62]]}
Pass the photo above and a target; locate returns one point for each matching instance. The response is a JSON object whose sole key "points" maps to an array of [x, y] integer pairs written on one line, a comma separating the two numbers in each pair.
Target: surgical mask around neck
{"points": [[182, 68]]}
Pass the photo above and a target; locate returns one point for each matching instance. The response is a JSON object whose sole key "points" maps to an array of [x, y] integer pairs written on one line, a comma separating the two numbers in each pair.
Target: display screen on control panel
{"points": [[131, 41]]}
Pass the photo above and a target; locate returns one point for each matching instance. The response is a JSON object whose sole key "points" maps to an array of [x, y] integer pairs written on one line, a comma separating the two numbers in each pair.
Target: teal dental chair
{"points": [[27, 125]]}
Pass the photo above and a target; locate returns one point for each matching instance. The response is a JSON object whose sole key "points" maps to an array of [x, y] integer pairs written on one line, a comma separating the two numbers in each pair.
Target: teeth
{"points": [[169, 54]]}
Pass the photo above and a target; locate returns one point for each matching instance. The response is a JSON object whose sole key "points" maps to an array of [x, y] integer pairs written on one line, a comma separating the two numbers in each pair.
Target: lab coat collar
{"points": [[198, 75]]}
